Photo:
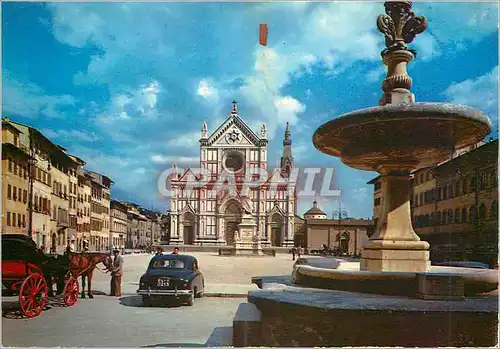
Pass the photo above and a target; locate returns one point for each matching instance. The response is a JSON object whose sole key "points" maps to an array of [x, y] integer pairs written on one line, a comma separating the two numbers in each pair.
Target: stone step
{"points": [[247, 326]]}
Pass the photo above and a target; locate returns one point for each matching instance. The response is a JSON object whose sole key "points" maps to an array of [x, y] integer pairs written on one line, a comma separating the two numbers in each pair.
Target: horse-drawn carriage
{"points": [[29, 273]]}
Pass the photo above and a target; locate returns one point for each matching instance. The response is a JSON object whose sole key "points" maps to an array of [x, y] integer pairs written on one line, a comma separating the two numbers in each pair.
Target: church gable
{"points": [[233, 131], [234, 136]]}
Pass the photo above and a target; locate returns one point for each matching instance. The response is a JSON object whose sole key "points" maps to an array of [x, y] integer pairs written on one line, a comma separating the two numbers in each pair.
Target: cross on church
{"points": [[235, 108]]}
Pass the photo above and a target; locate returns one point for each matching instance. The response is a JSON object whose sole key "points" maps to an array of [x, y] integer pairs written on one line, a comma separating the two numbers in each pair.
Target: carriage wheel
{"points": [[33, 295], [71, 291]]}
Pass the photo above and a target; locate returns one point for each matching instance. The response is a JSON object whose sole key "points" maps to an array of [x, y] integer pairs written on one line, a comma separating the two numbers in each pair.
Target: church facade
{"points": [[207, 211]]}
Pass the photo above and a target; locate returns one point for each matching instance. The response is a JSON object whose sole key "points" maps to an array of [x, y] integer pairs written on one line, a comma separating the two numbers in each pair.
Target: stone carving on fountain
{"points": [[395, 138]]}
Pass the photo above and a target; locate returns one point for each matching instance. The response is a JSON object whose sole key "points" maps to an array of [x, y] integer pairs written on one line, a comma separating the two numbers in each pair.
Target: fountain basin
{"points": [[292, 316], [312, 274], [414, 135]]}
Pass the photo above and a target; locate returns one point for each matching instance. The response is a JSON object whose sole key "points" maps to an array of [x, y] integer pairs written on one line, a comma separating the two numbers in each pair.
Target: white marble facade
{"points": [[209, 215]]}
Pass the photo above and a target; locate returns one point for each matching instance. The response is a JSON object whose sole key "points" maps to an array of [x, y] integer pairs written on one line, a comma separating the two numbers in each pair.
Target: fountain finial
{"points": [[400, 26]]}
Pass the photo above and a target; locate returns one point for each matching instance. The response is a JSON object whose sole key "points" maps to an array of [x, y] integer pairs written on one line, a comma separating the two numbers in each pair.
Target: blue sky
{"points": [[126, 86]]}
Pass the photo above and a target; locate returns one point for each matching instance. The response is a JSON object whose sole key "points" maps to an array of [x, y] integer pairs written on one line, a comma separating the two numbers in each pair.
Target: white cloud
{"points": [[71, 135], [186, 140], [207, 90], [140, 103], [427, 47], [287, 109], [29, 100], [166, 159], [480, 92]]}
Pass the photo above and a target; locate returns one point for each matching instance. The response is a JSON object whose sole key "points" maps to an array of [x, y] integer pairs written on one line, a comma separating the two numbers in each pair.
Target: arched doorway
{"points": [[344, 242], [188, 222], [277, 226], [232, 217]]}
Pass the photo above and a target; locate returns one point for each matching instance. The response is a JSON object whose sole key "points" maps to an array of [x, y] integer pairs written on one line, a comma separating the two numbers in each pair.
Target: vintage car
{"points": [[172, 275]]}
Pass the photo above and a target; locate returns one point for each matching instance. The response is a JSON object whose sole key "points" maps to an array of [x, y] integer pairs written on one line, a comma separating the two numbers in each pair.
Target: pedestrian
{"points": [[159, 251], [294, 251], [299, 252], [86, 245], [176, 250], [116, 274]]}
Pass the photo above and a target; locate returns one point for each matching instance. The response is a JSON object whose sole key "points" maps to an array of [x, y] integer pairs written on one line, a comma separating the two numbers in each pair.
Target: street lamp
{"points": [[340, 214], [31, 165]]}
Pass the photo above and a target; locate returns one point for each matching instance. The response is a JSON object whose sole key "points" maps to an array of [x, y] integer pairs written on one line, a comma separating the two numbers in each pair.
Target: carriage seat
{"points": [[19, 269]]}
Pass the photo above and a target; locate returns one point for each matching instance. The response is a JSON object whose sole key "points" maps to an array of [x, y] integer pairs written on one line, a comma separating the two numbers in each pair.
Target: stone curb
{"points": [[206, 294], [225, 295]]}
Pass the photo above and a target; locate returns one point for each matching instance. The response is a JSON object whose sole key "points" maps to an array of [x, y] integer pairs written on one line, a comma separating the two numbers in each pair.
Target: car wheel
{"points": [[201, 293], [146, 301], [190, 299]]}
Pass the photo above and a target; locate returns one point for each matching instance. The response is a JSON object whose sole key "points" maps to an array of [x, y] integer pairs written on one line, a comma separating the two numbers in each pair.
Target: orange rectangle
{"points": [[263, 34]]}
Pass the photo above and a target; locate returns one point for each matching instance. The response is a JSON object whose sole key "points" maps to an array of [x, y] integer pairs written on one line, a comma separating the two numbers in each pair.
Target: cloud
{"points": [[133, 104], [480, 92], [166, 159], [287, 109], [207, 90], [186, 140], [29, 100], [71, 135]]}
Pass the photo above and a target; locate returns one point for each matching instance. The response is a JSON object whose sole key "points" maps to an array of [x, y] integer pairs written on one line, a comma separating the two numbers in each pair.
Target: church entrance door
{"points": [[277, 230], [232, 217], [188, 228]]}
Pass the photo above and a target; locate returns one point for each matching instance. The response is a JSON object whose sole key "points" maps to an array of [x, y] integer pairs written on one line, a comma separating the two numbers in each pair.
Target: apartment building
{"points": [[81, 199], [454, 205], [14, 181], [118, 224], [99, 211]]}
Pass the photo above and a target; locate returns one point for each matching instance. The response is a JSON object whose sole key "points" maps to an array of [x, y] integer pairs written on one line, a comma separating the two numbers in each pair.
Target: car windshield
{"points": [[168, 264]]}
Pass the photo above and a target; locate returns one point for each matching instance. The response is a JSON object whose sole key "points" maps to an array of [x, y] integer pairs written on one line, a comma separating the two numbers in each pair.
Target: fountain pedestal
{"points": [[394, 245], [248, 241]]}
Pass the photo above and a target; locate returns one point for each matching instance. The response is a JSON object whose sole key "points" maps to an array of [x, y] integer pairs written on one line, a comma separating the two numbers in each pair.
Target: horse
{"points": [[83, 264]]}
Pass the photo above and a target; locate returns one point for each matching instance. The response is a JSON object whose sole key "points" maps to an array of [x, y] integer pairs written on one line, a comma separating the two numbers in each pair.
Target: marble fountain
{"points": [[395, 297]]}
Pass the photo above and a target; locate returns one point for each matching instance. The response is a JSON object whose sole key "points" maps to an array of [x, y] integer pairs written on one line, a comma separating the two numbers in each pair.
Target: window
{"points": [[464, 215], [168, 264], [473, 183], [15, 168], [9, 191], [8, 219], [472, 214], [24, 220], [377, 202], [20, 194], [14, 193], [482, 212], [19, 220], [11, 165]]}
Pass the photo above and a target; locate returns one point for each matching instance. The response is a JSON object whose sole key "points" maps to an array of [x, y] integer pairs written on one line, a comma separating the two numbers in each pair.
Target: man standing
{"points": [[176, 250], [294, 251], [116, 274], [159, 251], [299, 252]]}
